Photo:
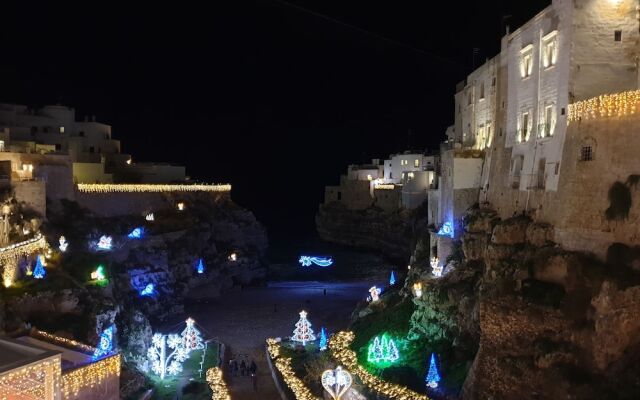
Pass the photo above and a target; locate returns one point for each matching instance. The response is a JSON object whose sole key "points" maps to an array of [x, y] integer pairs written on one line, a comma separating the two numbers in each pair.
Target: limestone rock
{"points": [[474, 245], [539, 234], [512, 231]]}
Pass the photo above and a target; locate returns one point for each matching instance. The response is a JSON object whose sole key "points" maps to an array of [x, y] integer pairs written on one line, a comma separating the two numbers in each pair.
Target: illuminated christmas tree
{"points": [[200, 267], [392, 279], [433, 377], [303, 332], [323, 339], [382, 350], [38, 271], [191, 336]]}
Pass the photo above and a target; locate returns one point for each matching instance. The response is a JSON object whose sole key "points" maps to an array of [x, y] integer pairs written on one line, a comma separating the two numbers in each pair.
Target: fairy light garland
{"points": [[339, 347], [217, 384], [89, 376], [283, 365], [149, 188], [10, 254], [608, 105], [64, 342], [21, 382]]}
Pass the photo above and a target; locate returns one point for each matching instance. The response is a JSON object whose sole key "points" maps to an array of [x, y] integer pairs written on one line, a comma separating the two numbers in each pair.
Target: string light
{"points": [[303, 332], [306, 261], [217, 384], [149, 188], [63, 244], [105, 243], [29, 381], [384, 187], [417, 289], [436, 268], [105, 345], [339, 347], [64, 342], [609, 105], [283, 365], [89, 376]]}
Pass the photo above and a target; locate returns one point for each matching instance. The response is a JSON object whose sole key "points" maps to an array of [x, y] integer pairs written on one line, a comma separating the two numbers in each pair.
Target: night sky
{"points": [[274, 97]]}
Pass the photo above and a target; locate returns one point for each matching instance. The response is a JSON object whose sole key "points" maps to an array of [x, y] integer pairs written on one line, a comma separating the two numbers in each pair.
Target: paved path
{"points": [[243, 320]]}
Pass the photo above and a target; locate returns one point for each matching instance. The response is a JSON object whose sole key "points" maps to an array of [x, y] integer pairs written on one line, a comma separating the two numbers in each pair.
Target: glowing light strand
{"points": [[105, 345], [283, 365], [303, 332], [161, 363], [191, 336], [306, 261], [433, 376], [149, 188], [609, 105], [216, 383]]}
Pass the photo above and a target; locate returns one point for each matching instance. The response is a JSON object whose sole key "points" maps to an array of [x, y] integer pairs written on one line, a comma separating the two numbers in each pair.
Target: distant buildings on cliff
{"points": [[45, 152], [547, 128]]}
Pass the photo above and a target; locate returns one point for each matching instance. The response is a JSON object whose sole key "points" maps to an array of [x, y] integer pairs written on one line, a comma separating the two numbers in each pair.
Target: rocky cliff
{"points": [[531, 319], [372, 228]]}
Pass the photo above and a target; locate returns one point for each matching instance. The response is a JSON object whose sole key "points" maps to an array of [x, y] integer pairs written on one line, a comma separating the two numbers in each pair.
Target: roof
{"points": [[70, 358], [16, 353]]}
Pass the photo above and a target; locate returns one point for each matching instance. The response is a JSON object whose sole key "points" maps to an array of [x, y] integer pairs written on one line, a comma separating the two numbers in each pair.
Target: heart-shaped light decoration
{"points": [[336, 382]]}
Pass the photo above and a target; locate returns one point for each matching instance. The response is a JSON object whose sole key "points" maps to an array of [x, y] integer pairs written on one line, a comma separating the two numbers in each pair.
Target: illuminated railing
{"points": [[217, 385], [90, 376], [339, 347], [149, 188], [608, 105], [64, 342], [283, 365]]}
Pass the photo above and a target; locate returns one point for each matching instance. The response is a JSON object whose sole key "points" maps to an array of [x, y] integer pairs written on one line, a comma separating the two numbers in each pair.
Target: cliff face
{"points": [[371, 228], [546, 323]]}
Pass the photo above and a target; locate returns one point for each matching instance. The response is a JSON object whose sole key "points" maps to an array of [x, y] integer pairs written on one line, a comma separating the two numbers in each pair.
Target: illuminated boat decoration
{"points": [[320, 261]]}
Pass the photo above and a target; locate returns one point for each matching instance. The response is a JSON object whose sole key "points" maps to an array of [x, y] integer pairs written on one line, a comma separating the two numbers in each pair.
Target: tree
{"points": [[433, 377], [303, 332], [392, 278], [161, 363], [383, 350], [39, 271], [323, 339], [191, 336]]}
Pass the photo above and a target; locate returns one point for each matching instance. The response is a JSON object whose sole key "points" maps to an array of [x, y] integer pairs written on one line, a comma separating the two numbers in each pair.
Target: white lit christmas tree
{"points": [[303, 332], [191, 336], [163, 364]]}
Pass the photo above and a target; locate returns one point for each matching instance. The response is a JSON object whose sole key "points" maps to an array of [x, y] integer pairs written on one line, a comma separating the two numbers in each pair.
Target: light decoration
{"points": [[233, 257], [216, 383], [303, 332], [383, 350], [29, 382], [436, 268], [306, 261], [283, 365], [374, 294], [323, 339], [192, 339], [384, 187], [64, 342], [446, 229], [200, 266], [90, 376], [98, 274], [433, 376], [105, 344], [105, 243], [148, 290], [149, 188], [137, 233], [150, 217], [17, 250], [39, 271], [336, 382], [339, 348], [161, 363], [392, 278], [608, 105], [417, 289], [63, 244], [180, 206]]}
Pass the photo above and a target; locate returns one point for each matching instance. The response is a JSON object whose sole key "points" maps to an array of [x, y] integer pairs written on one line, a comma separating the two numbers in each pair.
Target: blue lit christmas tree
{"points": [[433, 377], [323, 339], [39, 271], [105, 345], [392, 278], [200, 267]]}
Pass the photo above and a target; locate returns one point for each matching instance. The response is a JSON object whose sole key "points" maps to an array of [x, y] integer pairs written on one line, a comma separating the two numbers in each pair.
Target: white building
{"points": [[572, 50]]}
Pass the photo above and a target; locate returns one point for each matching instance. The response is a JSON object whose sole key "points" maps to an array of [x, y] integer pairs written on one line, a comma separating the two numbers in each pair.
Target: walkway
{"points": [[243, 320]]}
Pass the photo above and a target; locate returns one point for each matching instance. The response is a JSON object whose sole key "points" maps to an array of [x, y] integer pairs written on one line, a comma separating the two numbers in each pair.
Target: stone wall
{"points": [[578, 210], [32, 194]]}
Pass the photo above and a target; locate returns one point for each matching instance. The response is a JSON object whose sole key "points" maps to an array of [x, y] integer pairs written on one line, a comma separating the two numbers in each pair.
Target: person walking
{"points": [[243, 368], [234, 367], [254, 375]]}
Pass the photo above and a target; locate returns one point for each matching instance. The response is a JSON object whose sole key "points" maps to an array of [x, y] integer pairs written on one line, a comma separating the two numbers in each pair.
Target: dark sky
{"points": [[259, 93]]}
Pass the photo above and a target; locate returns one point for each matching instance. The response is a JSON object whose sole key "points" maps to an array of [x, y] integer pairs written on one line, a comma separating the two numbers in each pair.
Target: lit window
{"points": [[548, 125], [1, 145], [62, 129], [410, 175], [416, 163], [550, 49], [524, 128], [369, 177], [526, 61]]}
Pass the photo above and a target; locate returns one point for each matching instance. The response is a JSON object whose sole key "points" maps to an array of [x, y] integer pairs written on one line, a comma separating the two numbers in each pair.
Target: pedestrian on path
{"points": [[243, 368], [254, 375], [234, 367]]}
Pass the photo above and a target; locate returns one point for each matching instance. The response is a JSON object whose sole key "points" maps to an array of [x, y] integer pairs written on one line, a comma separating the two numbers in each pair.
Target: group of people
{"points": [[245, 368]]}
